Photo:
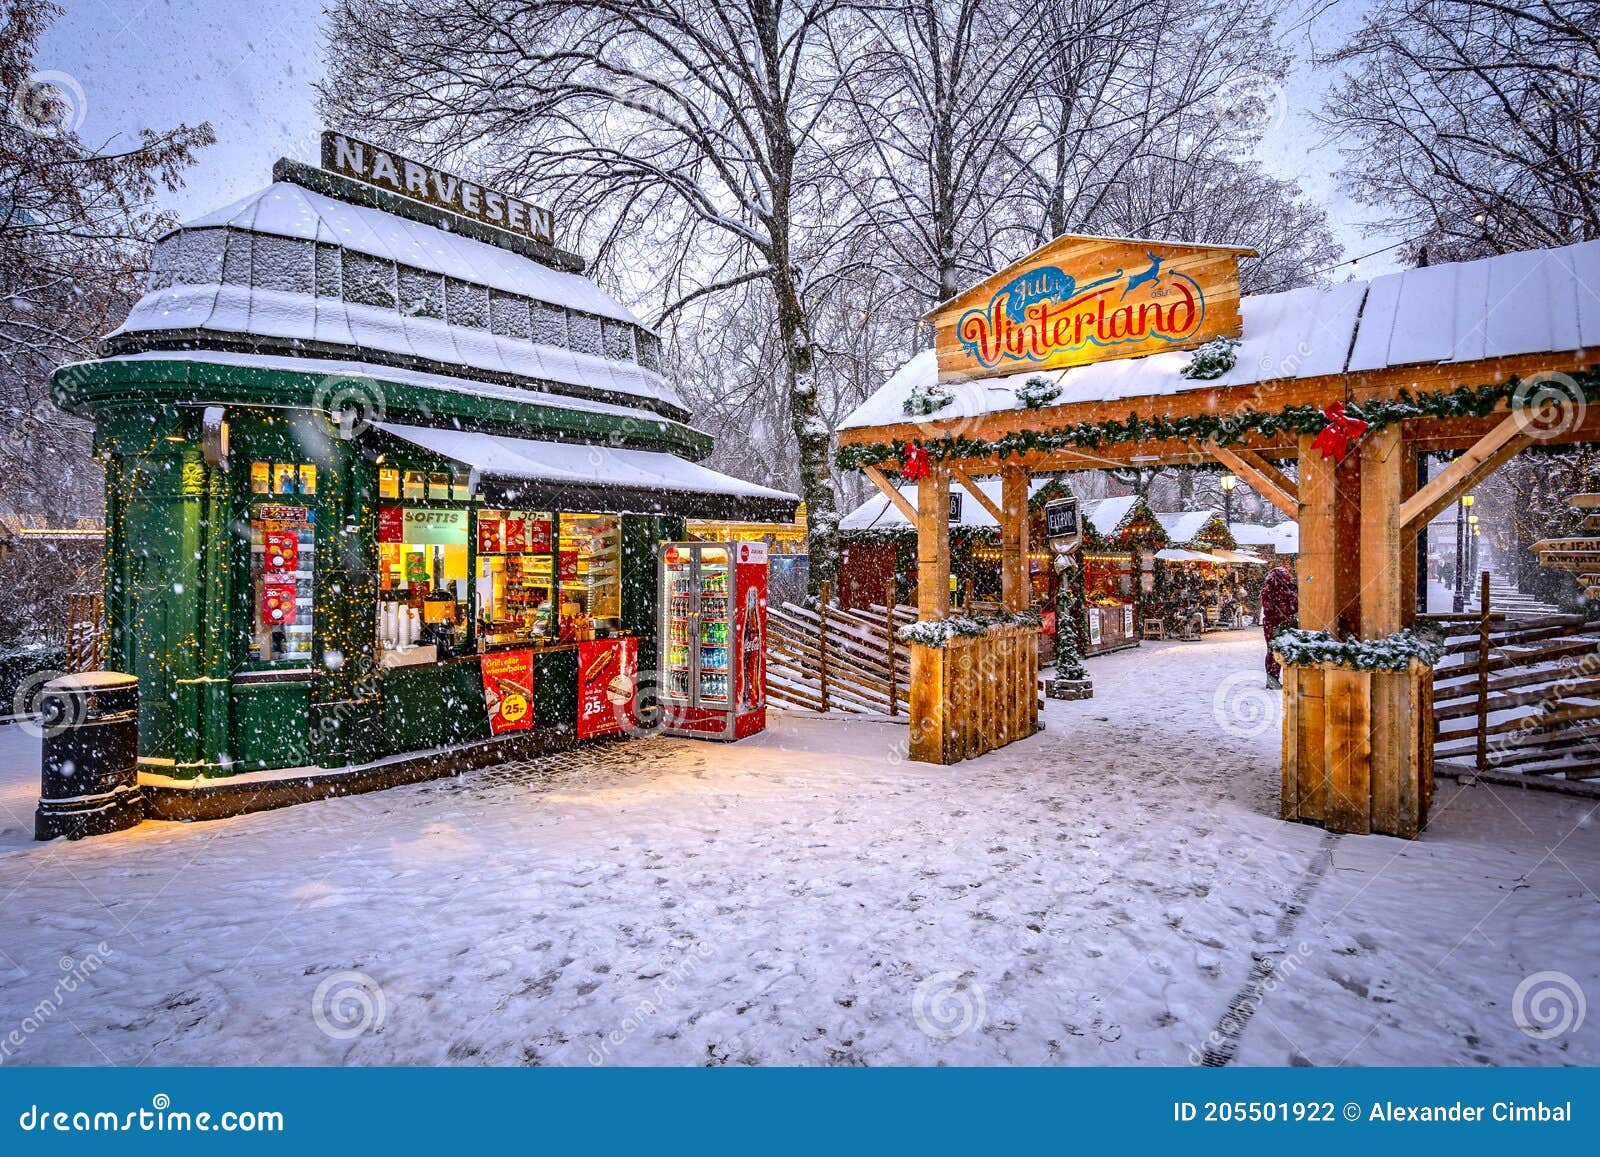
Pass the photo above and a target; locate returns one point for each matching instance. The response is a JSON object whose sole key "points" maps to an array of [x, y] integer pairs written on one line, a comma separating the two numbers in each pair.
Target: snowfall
{"points": [[1115, 890]]}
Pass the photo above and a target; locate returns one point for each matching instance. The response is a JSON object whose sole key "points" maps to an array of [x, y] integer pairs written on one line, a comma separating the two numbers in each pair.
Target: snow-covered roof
{"points": [[337, 368], [666, 477], [1108, 514], [878, 513], [1515, 303], [1184, 526], [1283, 538], [300, 317], [287, 210]]}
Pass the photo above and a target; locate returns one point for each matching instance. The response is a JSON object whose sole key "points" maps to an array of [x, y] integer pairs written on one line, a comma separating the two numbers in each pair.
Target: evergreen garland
{"points": [[1297, 648], [1213, 359], [1037, 392], [1226, 429], [925, 399], [1069, 616], [938, 632]]}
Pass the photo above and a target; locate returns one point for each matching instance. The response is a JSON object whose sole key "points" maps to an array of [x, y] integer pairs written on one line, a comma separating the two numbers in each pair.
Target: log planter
{"points": [[1358, 748], [974, 694]]}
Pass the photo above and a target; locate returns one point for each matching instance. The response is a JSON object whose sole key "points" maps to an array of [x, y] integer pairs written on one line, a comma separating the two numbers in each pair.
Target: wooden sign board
{"points": [[1088, 299], [1063, 524], [386, 169]]}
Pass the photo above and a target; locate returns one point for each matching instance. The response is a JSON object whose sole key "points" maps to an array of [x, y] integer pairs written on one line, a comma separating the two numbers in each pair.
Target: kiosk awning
{"points": [[1179, 554], [1238, 556], [584, 477]]}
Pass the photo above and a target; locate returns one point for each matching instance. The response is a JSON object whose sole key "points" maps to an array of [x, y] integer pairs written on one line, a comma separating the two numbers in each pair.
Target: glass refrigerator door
{"points": [[677, 631], [715, 635]]}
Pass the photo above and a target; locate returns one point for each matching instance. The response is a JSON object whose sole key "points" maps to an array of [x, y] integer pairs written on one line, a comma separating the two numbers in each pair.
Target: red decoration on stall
{"points": [[282, 553], [1340, 434], [278, 603], [914, 463]]}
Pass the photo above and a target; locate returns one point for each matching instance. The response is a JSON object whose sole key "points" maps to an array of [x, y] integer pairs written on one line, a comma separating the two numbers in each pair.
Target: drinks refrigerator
{"points": [[713, 608]]}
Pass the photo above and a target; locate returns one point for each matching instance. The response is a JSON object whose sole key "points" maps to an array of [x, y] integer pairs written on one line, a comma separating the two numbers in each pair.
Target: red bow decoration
{"points": [[914, 463], [1340, 434]]}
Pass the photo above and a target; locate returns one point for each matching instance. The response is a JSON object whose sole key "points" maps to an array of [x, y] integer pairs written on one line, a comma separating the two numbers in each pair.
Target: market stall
{"points": [[1121, 536], [385, 475]]}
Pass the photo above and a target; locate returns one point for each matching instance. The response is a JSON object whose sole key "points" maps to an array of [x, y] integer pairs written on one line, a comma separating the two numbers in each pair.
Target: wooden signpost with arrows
{"points": [[1580, 555]]}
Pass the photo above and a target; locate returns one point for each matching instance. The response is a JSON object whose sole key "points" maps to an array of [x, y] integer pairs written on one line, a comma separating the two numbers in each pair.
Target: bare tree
{"points": [[1473, 126], [75, 227], [682, 125]]}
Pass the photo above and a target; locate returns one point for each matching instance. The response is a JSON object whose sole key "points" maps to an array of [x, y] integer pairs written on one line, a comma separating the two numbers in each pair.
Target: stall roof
{"points": [[1178, 554], [287, 210], [1283, 538], [878, 513], [1185, 526], [582, 476], [1108, 514], [1441, 313], [1238, 556]]}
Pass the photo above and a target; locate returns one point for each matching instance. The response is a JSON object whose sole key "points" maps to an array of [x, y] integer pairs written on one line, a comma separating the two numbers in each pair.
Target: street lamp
{"points": [[1228, 482], [1458, 598]]}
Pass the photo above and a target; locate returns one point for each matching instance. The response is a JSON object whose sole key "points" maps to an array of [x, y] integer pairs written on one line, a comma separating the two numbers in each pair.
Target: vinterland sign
{"points": [[1088, 299]]}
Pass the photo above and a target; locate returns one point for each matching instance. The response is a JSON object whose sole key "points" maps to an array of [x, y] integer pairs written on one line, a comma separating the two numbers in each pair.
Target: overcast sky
{"points": [[247, 66]]}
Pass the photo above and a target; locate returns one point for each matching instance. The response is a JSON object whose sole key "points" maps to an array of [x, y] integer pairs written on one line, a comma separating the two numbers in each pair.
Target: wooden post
{"points": [[1014, 538], [933, 544], [931, 666], [1319, 610], [1483, 672], [889, 596], [825, 596], [1383, 589]]}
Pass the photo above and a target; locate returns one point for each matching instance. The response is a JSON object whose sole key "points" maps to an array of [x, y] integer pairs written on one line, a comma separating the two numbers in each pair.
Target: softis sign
{"points": [[1084, 299]]}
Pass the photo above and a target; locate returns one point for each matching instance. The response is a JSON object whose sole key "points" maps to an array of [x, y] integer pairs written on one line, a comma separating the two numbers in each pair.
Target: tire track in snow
{"points": [[1223, 1042]]}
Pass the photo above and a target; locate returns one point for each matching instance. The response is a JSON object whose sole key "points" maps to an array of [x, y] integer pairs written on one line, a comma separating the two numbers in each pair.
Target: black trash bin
{"points": [[89, 775]]}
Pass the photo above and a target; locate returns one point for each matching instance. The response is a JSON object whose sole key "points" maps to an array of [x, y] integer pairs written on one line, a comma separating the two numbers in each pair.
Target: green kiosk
{"points": [[383, 468]]}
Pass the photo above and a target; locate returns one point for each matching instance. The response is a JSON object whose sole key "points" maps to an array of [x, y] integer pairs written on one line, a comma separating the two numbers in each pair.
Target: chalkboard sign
{"points": [[1061, 519], [955, 506]]}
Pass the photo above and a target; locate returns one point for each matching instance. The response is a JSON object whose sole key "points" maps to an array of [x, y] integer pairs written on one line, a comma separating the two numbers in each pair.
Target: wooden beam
{"points": [[1269, 471], [1285, 498], [1483, 458], [881, 481], [1319, 606], [933, 543], [978, 495], [1382, 570], [1014, 586]]}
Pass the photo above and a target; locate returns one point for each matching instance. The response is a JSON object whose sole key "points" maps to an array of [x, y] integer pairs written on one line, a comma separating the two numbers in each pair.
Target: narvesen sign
{"points": [[1087, 299], [371, 165]]}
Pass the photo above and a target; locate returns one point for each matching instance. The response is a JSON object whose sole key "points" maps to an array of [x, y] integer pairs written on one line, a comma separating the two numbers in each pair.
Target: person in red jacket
{"points": [[1280, 604]]}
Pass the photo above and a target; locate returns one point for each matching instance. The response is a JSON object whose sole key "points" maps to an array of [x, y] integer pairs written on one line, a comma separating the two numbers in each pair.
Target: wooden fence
{"points": [[833, 660], [1517, 697]]}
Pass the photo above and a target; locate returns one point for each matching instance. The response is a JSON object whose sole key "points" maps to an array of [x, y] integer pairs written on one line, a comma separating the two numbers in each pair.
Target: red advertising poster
{"points": [[391, 524], [277, 603], [508, 690], [489, 535], [539, 533], [282, 551], [569, 565], [516, 535], [608, 671]]}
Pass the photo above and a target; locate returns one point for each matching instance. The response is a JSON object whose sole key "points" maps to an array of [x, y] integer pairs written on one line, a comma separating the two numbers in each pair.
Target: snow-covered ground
{"points": [[1103, 893]]}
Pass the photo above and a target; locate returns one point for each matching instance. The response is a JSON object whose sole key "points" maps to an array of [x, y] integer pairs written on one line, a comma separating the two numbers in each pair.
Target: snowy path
{"points": [[1099, 894]]}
